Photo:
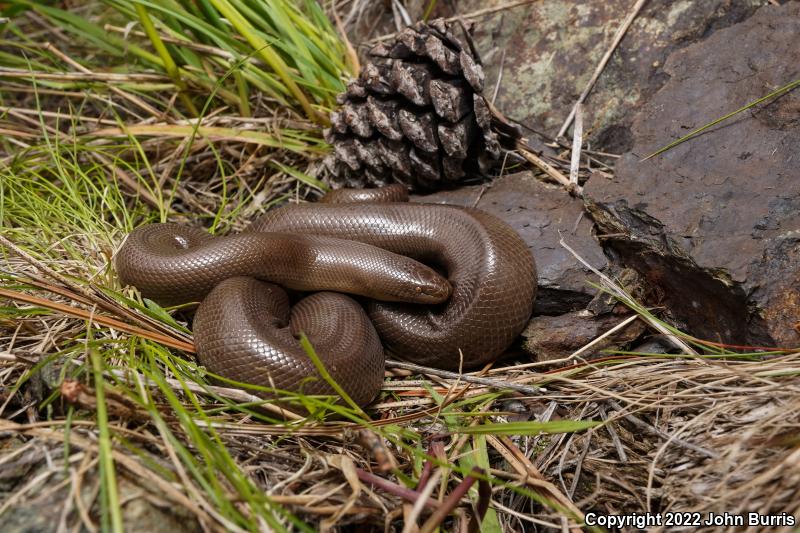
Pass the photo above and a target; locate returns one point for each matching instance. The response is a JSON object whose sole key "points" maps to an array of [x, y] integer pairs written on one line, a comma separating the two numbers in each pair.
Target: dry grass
{"points": [[680, 434]]}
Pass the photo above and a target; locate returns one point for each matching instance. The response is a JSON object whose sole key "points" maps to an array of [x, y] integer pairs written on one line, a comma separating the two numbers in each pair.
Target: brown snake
{"points": [[245, 331]]}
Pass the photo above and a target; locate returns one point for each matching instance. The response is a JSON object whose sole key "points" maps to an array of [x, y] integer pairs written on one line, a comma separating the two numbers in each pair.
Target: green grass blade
{"points": [[478, 455], [266, 52], [166, 58], [107, 470], [528, 428], [302, 176], [694, 133], [312, 354]]}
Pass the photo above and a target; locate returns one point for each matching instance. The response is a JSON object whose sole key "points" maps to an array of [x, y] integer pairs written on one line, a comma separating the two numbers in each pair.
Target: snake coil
{"points": [[463, 309]]}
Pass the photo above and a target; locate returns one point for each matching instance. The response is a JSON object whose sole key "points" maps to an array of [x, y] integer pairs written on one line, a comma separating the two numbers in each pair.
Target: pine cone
{"points": [[416, 115]]}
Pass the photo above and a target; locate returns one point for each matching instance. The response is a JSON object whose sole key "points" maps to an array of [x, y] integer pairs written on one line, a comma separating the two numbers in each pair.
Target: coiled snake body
{"points": [[245, 331]]}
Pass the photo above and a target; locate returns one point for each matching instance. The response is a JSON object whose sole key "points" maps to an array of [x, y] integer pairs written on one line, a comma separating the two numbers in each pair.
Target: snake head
{"points": [[429, 286]]}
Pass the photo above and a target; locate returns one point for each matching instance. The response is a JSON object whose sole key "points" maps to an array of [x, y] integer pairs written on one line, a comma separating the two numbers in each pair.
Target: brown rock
{"points": [[547, 51], [715, 222], [541, 214], [556, 337]]}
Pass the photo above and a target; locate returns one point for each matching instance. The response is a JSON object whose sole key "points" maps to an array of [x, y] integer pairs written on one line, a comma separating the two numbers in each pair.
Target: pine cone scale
{"points": [[420, 129]]}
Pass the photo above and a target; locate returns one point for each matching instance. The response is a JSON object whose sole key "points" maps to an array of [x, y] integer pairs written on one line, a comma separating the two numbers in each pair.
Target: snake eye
{"points": [[180, 242], [429, 287]]}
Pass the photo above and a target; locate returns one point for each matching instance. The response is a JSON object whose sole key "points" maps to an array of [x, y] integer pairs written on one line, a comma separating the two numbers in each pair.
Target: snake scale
{"points": [[443, 286]]}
